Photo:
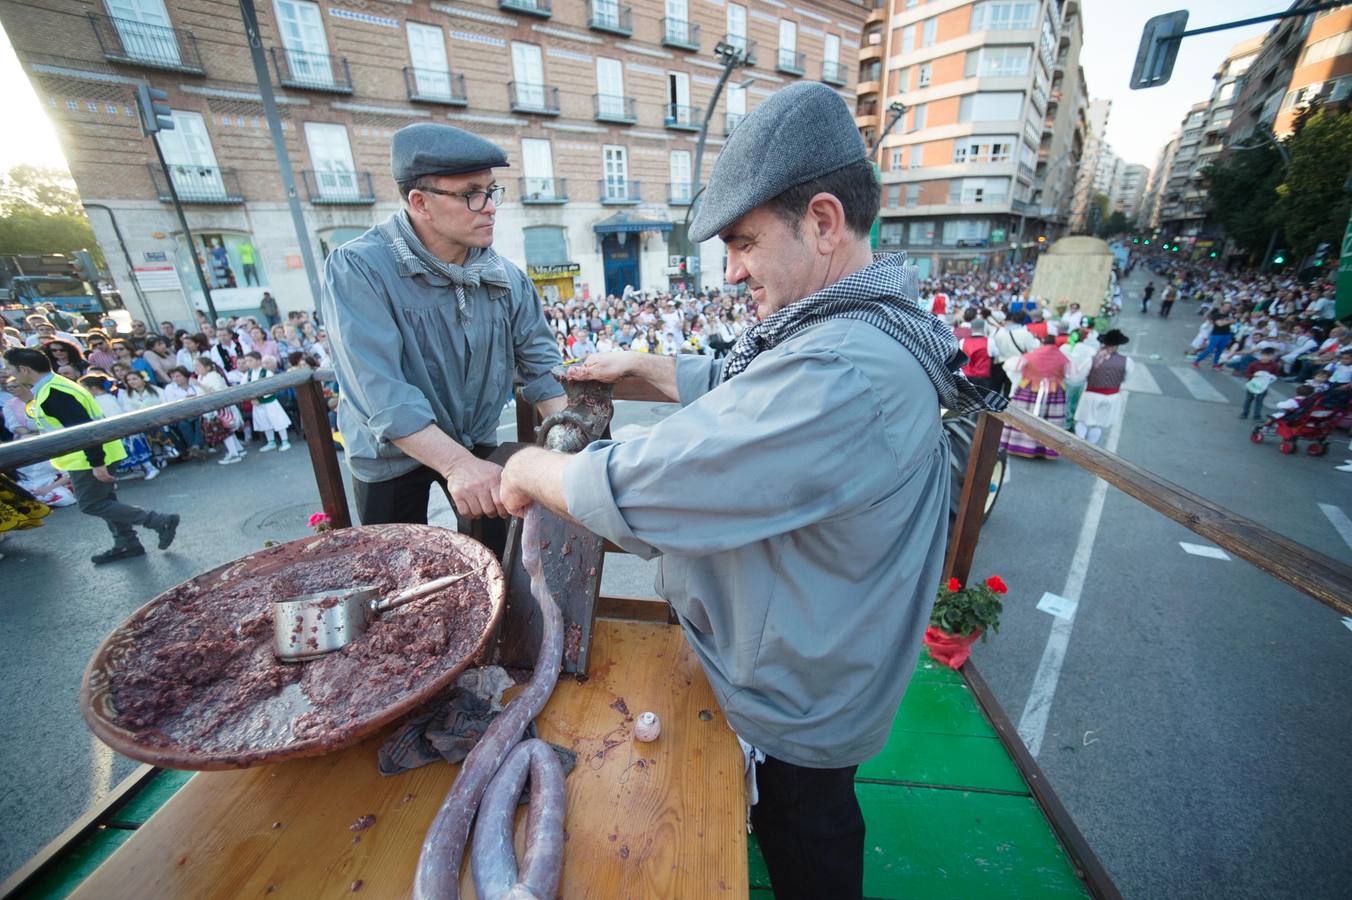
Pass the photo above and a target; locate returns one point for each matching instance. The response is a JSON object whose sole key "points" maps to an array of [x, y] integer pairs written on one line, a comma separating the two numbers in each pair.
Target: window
{"points": [[956, 230], [737, 26], [546, 245], [1003, 15], [302, 29], [921, 234], [191, 161], [615, 163], [788, 39], [917, 156], [144, 27], [529, 71], [1003, 106], [1047, 44], [831, 51], [918, 116], [680, 175], [928, 32], [427, 50], [893, 196], [997, 62], [331, 155], [898, 158], [609, 88], [912, 195], [923, 75], [736, 105], [978, 190], [907, 39], [1226, 92], [537, 161], [890, 233], [678, 98], [1328, 48], [903, 76]]}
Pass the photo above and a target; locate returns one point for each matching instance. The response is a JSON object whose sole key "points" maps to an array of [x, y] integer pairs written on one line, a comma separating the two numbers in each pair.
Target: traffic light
{"points": [[1147, 242], [1137, 241], [1174, 248], [1321, 253], [153, 105], [1279, 258], [1213, 254]]}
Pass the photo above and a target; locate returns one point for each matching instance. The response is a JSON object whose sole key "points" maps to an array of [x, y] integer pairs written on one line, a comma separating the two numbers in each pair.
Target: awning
{"points": [[623, 223]]}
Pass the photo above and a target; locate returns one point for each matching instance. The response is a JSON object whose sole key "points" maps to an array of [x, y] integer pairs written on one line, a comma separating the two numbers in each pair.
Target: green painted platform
{"points": [[947, 812]]}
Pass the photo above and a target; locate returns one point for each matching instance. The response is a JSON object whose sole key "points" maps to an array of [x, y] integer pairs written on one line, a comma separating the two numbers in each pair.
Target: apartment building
{"points": [[598, 104], [1183, 207], [1159, 176], [1094, 145], [1128, 190], [960, 168], [1298, 61]]}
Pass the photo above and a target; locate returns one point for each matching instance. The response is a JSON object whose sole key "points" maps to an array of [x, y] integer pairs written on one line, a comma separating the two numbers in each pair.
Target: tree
{"points": [[1116, 223], [40, 212], [1312, 206], [1242, 190]]}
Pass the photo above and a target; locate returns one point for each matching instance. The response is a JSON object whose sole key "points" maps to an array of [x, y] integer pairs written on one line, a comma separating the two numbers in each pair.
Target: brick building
{"points": [[993, 125], [598, 105]]}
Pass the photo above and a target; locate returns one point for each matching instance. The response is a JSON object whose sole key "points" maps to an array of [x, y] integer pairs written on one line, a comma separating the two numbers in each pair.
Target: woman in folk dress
{"points": [[1039, 390]]}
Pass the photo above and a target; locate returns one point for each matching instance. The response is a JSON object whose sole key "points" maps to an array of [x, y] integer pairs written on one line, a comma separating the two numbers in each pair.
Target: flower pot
{"points": [[950, 649]]}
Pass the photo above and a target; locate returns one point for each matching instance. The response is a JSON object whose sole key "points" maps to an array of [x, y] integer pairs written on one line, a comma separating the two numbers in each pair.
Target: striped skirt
{"points": [[1053, 410]]}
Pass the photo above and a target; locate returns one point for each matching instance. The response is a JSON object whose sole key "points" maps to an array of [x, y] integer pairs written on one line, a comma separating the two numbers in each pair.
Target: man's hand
{"points": [[474, 486], [513, 493], [604, 367], [535, 475], [102, 474]]}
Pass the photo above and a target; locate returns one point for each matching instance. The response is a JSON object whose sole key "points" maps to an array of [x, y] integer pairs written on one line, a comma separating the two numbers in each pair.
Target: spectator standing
{"points": [[268, 306], [248, 261], [1260, 374]]}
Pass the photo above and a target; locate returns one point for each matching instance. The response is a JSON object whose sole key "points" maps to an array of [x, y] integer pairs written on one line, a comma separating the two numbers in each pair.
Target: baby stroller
{"points": [[1314, 420]]}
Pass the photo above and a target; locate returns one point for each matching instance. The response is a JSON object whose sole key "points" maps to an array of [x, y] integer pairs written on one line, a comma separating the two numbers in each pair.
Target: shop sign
{"points": [[557, 270], [157, 278]]}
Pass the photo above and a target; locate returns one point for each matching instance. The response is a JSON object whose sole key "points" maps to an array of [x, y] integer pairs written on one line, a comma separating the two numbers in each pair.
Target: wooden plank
{"points": [[976, 482], [640, 609], [1087, 865], [1327, 580], [314, 415], [665, 819], [51, 854]]}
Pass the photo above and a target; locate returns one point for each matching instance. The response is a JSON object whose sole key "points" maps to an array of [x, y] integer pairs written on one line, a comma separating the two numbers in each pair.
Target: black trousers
{"points": [[810, 831], [405, 499]]}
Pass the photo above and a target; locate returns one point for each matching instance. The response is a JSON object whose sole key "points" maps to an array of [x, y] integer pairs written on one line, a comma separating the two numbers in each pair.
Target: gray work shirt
{"points": [[405, 359], [800, 511]]}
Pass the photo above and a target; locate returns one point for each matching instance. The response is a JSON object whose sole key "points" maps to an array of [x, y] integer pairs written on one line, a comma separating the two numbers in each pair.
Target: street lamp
{"points": [[897, 109], [733, 57]]}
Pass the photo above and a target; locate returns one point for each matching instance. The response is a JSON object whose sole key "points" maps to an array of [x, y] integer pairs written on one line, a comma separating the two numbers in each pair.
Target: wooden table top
{"points": [[665, 819]]}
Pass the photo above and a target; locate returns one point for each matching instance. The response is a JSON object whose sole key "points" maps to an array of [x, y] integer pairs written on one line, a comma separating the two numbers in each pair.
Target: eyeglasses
{"points": [[475, 201]]}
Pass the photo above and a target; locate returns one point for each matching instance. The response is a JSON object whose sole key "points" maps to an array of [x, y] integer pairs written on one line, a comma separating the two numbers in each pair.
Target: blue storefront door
{"points": [[621, 262]]}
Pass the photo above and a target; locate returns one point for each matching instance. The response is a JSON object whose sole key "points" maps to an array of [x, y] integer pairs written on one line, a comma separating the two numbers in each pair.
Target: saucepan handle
{"points": [[418, 592]]}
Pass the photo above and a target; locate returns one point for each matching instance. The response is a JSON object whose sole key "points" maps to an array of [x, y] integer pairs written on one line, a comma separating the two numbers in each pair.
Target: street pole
{"points": [[131, 267], [733, 58], [187, 232], [260, 64]]}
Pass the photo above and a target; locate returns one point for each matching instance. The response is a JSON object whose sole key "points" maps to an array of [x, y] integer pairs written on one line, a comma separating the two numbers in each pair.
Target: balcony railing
{"points": [[791, 63], [435, 86], [680, 193], [618, 191], [731, 121], [834, 73], [607, 15], [197, 184], [311, 71], [740, 42], [338, 187], [540, 99], [612, 108], [151, 46], [539, 8], [544, 190], [680, 34], [683, 118]]}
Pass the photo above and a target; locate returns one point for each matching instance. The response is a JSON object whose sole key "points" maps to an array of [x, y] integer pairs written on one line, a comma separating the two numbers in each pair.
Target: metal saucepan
{"points": [[308, 626]]}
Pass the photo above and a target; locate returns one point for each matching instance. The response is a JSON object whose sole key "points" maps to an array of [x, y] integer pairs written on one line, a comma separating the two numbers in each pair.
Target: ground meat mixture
{"points": [[196, 670]]}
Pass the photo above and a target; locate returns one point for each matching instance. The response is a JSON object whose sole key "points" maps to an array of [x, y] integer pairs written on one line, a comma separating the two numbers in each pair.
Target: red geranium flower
{"points": [[954, 585], [997, 584]]}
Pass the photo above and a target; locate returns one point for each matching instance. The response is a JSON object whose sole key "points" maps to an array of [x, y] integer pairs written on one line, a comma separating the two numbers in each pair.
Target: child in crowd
{"points": [[1260, 374], [1303, 393], [138, 448], [218, 427], [268, 416], [1341, 371], [1320, 381]]}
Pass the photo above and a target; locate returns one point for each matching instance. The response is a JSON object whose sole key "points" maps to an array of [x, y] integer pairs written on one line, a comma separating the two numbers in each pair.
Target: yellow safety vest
{"points": [[75, 461]]}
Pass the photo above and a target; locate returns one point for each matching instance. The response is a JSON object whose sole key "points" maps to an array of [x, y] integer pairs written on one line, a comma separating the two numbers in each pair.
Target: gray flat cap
{"points": [[802, 132], [431, 149]]}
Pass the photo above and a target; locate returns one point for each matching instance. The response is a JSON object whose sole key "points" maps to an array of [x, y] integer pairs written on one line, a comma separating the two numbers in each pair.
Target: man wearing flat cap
{"points": [[799, 499], [427, 326]]}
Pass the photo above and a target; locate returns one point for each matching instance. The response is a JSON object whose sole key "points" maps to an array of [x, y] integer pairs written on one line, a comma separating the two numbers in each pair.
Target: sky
{"points": [[1140, 122]]}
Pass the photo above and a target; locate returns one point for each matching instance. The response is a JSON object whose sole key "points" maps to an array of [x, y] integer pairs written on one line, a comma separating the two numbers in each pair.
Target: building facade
{"points": [[967, 168], [1159, 177], [599, 106], [1095, 143], [1128, 190]]}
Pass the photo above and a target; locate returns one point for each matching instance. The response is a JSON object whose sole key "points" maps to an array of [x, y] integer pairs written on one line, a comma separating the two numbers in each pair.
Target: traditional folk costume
{"points": [[1041, 391], [1102, 393]]}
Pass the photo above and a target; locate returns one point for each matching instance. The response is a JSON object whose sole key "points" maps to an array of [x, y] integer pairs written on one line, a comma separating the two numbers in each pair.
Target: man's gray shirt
{"points": [[405, 359], [800, 511]]}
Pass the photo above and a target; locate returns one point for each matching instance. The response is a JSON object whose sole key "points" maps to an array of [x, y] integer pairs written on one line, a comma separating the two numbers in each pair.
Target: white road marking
{"points": [[1347, 620], [1198, 386], [100, 769], [1204, 550], [1033, 722], [1056, 605], [1141, 381], [1341, 523]]}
